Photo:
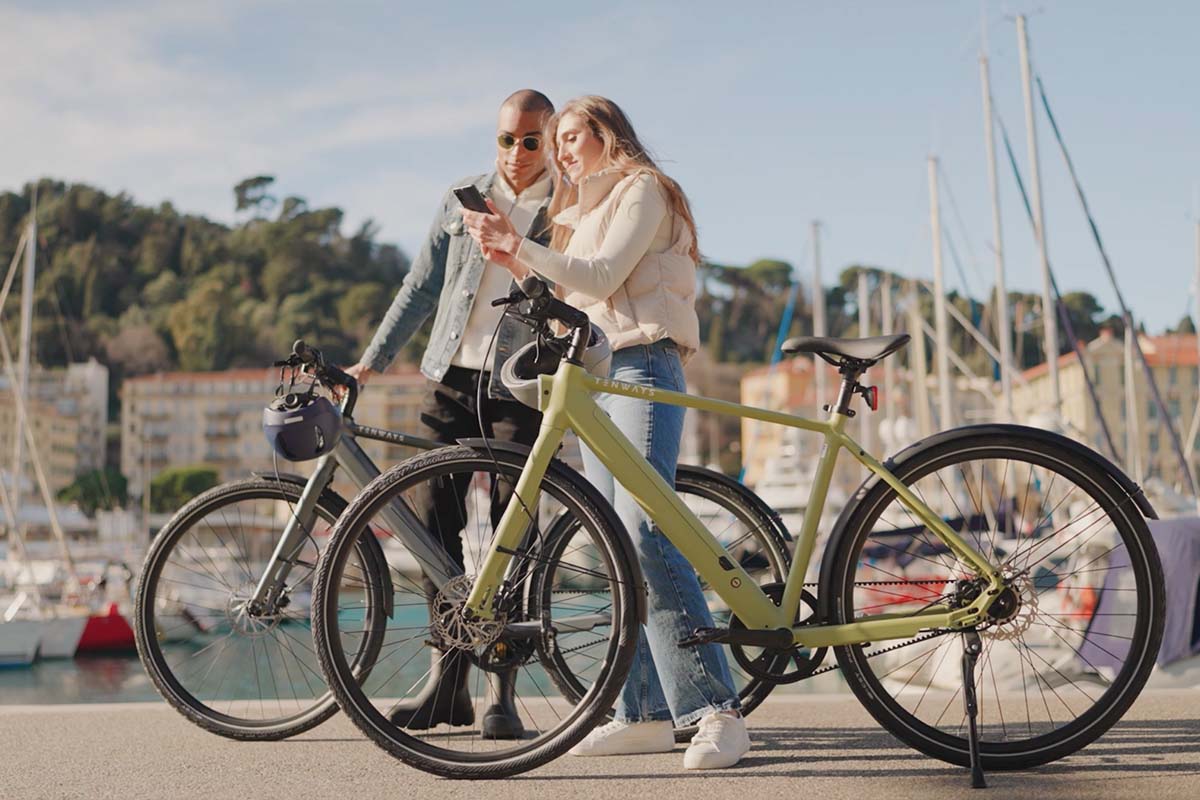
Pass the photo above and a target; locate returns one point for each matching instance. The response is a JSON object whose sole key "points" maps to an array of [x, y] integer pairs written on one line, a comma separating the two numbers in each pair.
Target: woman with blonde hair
{"points": [[623, 248]]}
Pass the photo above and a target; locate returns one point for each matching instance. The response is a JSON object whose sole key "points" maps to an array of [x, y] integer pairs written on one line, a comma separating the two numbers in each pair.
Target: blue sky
{"points": [[769, 114]]}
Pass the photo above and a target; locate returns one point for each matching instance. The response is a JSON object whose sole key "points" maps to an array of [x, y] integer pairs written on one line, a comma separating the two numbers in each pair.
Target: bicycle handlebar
{"points": [[542, 304], [328, 374]]}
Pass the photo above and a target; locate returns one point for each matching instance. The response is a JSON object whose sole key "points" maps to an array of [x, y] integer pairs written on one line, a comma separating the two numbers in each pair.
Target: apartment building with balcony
{"points": [[214, 419], [67, 412], [1143, 442]]}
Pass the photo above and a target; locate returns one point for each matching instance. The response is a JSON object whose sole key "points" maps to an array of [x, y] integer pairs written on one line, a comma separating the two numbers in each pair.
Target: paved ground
{"points": [[147, 751]]}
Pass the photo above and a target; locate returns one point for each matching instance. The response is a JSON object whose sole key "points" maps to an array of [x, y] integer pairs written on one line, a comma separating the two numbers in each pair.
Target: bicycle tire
{"points": [[149, 637], [768, 541], [1109, 494], [568, 488]]}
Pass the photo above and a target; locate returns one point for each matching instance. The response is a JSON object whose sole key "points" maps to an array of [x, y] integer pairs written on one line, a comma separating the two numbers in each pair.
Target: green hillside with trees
{"points": [[146, 289]]}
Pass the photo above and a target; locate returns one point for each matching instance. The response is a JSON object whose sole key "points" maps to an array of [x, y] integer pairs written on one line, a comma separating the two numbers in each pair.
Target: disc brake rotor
{"points": [[453, 627]]}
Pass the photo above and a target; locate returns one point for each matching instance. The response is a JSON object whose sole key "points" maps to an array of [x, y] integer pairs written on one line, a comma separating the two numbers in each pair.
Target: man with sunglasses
{"points": [[451, 276]]}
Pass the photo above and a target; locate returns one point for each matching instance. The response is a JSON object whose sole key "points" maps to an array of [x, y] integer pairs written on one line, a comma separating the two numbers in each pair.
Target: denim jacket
{"points": [[446, 276]]}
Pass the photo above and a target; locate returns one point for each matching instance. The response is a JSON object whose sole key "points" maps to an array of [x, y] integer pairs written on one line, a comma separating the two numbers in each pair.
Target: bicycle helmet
{"points": [[302, 426], [520, 372]]}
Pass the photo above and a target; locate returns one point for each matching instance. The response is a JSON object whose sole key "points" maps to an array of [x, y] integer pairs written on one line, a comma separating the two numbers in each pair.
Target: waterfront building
{"points": [[68, 412], [1173, 358], [214, 419]]}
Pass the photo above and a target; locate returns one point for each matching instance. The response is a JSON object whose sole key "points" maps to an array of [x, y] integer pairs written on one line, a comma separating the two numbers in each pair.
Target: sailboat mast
{"points": [[1133, 435], [1049, 319], [918, 367], [818, 306], [1003, 334], [864, 329], [23, 361], [1189, 446], [941, 325], [889, 365]]}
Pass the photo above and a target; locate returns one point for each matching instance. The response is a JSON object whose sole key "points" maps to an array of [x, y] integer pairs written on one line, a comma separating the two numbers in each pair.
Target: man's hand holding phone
{"points": [[492, 229]]}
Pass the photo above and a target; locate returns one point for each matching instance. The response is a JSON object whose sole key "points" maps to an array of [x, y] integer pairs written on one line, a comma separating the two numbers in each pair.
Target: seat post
{"points": [[850, 370]]}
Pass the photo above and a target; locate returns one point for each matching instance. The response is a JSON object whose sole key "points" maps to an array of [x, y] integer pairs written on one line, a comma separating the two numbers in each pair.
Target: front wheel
{"points": [[440, 674], [249, 675], [1068, 645]]}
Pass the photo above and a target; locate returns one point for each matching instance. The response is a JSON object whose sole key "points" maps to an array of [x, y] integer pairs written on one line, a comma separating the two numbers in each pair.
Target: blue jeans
{"points": [[665, 681]]}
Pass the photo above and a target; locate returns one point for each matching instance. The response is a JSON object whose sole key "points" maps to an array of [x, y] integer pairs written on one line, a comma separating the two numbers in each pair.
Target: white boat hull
{"points": [[60, 635], [19, 640]]}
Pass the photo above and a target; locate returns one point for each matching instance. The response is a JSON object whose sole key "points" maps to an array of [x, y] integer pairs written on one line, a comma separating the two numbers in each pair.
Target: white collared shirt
{"points": [[495, 282]]}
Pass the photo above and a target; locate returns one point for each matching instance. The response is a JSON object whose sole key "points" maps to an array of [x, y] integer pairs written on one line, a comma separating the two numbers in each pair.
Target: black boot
{"points": [[501, 721], [445, 698]]}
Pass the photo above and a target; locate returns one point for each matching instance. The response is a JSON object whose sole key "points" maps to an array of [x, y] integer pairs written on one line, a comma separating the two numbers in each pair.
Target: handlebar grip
{"points": [[534, 287], [304, 352], [568, 315], [336, 375]]}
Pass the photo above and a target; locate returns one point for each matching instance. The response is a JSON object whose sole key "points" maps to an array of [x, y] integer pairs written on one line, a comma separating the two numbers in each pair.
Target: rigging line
{"points": [[63, 330], [1062, 146], [1062, 309], [785, 323], [962, 276], [65, 334], [962, 228]]}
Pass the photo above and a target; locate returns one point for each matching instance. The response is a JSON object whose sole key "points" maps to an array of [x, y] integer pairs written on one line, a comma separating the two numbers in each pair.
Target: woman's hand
{"points": [[497, 238]]}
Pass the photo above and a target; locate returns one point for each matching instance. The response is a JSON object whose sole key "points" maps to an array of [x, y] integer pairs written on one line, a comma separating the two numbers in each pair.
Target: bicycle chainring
{"points": [[780, 666]]}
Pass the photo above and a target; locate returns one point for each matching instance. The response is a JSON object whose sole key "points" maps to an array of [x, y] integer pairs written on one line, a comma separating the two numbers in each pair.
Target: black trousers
{"points": [[449, 412]]}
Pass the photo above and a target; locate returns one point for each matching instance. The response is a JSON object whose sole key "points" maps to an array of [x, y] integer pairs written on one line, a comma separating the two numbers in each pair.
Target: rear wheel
{"points": [[1070, 642]]}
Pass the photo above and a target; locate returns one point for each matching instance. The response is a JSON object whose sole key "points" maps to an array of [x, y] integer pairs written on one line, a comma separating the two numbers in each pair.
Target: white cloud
{"points": [[158, 100], [94, 95]]}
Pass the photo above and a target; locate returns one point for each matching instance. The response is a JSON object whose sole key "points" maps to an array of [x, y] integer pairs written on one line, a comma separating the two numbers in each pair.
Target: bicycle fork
{"points": [[299, 526], [435, 562]]}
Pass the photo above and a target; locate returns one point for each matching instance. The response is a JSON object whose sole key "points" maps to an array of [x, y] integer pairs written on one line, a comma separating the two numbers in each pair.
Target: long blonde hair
{"points": [[622, 150]]}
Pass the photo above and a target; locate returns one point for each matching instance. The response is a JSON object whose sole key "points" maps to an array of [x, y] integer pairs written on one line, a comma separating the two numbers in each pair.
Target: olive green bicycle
{"points": [[992, 593]]}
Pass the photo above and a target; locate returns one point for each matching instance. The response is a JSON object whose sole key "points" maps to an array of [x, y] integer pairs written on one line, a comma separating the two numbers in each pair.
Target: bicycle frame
{"points": [[567, 404], [361, 470]]}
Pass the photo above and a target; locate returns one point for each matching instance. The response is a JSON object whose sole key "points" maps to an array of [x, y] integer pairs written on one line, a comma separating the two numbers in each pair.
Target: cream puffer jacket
{"points": [[627, 263]]}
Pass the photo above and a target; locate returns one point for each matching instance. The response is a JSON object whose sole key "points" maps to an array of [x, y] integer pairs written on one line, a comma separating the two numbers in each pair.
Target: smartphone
{"points": [[471, 199]]}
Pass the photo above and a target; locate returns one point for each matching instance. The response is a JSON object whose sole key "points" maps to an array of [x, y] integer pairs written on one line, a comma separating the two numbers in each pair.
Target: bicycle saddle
{"points": [[867, 350]]}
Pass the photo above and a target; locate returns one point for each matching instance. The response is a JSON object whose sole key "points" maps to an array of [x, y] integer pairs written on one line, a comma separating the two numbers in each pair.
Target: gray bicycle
{"points": [[223, 598]]}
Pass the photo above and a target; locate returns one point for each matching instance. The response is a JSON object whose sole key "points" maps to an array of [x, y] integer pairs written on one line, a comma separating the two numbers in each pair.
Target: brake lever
{"points": [[514, 297]]}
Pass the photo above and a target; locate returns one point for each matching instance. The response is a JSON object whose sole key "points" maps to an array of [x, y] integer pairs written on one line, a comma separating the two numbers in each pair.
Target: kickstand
{"points": [[972, 647]]}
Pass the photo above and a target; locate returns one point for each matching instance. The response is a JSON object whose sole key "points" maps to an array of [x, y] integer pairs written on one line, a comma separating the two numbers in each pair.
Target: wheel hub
{"points": [[244, 616], [1015, 609]]}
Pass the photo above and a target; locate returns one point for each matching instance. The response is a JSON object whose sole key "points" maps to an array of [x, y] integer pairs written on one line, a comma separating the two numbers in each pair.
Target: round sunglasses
{"points": [[530, 143]]}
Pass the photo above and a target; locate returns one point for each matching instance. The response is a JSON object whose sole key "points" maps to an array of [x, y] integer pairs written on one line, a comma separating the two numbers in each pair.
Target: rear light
{"points": [[873, 397]]}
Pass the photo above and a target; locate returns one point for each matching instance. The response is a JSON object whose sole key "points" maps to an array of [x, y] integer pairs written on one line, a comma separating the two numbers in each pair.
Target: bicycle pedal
{"points": [[772, 639], [704, 636]]}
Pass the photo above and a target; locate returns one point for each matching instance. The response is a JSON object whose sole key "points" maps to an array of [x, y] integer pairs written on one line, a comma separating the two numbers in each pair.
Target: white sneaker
{"points": [[720, 742], [627, 738]]}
